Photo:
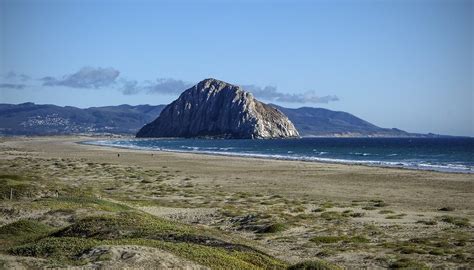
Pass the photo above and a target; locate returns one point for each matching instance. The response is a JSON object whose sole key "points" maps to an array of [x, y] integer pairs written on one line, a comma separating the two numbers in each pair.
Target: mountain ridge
{"points": [[321, 122], [47, 119]]}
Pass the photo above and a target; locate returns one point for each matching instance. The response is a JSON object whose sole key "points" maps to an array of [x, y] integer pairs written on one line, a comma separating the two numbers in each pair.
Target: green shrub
{"points": [[327, 205], [446, 209], [379, 203], [313, 265], [22, 231], [80, 202], [410, 249], [17, 188], [24, 226], [332, 215], [385, 211], [437, 252], [427, 222], [336, 239], [327, 239], [458, 221], [273, 228], [406, 263], [123, 224], [357, 214], [399, 216], [136, 228], [65, 249]]}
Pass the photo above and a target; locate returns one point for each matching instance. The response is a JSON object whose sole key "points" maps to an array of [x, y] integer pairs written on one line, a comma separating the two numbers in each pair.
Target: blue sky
{"points": [[400, 63]]}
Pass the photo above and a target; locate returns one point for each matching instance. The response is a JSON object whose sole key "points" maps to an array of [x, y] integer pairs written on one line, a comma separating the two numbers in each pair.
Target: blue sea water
{"points": [[439, 154]]}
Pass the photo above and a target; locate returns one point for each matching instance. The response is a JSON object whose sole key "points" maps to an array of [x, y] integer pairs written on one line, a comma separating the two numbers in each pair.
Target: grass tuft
{"points": [[64, 250], [446, 209], [398, 216], [357, 214], [24, 226], [313, 265], [458, 221], [273, 228], [427, 222], [337, 239], [332, 215], [81, 202], [22, 231], [405, 263]]}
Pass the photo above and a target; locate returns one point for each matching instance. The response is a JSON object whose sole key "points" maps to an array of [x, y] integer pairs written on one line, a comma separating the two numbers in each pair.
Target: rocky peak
{"points": [[212, 84], [213, 108]]}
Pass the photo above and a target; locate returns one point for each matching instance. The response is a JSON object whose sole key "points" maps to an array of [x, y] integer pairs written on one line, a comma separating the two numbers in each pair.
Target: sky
{"points": [[395, 63]]}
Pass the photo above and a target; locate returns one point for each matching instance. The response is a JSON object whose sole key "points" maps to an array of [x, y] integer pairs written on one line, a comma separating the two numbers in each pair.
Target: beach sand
{"points": [[349, 215]]}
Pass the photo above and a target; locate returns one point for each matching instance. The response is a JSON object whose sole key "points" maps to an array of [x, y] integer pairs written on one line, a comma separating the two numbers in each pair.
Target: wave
{"points": [[408, 164], [196, 148], [362, 154], [319, 152], [193, 148]]}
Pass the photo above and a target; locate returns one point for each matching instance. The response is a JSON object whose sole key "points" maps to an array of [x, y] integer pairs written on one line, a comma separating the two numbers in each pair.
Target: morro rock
{"points": [[217, 109]]}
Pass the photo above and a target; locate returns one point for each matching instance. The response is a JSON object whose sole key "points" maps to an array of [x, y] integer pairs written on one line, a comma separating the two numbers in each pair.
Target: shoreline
{"points": [[333, 178], [367, 163]]}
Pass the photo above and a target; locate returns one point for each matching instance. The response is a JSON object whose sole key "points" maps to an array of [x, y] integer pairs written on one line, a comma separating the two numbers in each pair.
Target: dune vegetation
{"points": [[59, 210]]}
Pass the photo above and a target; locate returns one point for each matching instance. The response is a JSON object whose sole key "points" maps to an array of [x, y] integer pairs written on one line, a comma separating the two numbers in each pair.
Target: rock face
{"points": [[214, 108]]}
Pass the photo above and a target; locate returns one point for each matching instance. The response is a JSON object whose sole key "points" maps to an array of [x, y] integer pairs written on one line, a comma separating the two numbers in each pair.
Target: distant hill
{"points": [[34, 119], [319, 122]]}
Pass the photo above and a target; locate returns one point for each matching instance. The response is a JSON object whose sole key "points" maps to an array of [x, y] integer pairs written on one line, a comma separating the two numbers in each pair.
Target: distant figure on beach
{"points": [[118, 155]]}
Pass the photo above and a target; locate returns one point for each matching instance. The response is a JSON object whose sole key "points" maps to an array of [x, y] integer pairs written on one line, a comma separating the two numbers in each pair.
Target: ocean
{"points": [[438, 154]]}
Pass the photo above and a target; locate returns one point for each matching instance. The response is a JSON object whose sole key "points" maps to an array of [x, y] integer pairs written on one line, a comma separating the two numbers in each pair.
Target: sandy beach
{"points": [[348, 215]]}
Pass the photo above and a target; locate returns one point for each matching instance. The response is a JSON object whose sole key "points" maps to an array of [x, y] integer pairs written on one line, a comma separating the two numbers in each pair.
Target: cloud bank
{"points": [[271, 93], [167, 86], [12, 85], [95, 78], [87, 77], [160, 86], [13, 76], [98, 78], [13, 80]]}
